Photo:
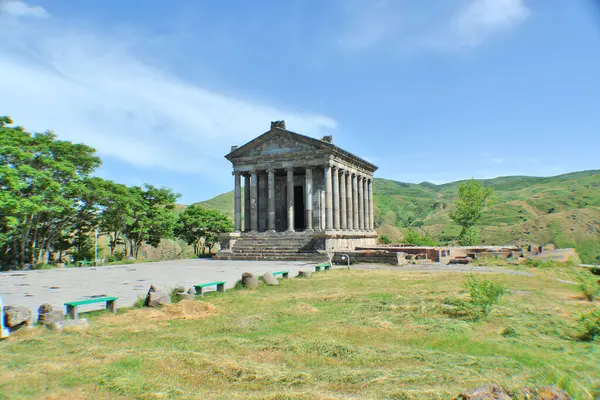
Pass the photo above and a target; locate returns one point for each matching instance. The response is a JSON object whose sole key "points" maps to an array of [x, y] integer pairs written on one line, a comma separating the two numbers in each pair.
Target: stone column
{"points": [[290, 199], [328, 198], [336, 197], [246, 203], [343, 218], [271, 199], [309, 199], [355, 202], [371, 215], [349, 203], [366, 204], [237, 205], [253, 201], [361, 202]]}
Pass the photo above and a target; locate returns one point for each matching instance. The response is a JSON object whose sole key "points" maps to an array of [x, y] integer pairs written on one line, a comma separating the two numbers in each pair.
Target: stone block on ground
{"points": [[187, 296], [546, 393], [270, 279], [47, 315], [17, 317], [489, 392], [461, 260], [71, 326], [304, 274], [156, 298], [249, 281]]}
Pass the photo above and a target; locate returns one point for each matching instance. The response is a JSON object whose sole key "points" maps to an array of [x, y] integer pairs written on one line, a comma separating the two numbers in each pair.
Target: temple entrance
{"points": [[299, 212]]}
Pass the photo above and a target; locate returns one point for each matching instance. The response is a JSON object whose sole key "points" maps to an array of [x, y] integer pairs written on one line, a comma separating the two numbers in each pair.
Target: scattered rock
{"points": [[71, 326], [47, 315], [546, 393], [191, 291], [51, 317], [156, 297], [270, 279], [187, 296], [249, 281], [17, 317], [489, 392], [304, 274], [550, 247]]}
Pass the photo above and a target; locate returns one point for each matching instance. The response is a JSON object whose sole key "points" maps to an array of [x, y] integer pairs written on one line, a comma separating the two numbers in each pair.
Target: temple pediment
{"points": [[278, 142]]}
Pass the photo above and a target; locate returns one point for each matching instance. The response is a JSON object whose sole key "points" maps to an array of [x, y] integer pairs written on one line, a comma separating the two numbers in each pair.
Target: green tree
{"points": [[200, 227], [42, 182], [150, 217], [468, 209]]}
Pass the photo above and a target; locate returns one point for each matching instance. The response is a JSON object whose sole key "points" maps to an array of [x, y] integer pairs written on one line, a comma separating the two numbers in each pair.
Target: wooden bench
{"points": [[325, 266], [72, 305], [284, 274], [200, 288]]}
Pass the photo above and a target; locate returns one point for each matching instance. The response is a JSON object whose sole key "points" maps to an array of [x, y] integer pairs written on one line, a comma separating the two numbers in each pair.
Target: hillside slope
{"points": [[563, 209]]}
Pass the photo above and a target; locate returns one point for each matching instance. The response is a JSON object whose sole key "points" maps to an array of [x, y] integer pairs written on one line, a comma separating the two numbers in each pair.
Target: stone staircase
{"points": [[274, 247]]}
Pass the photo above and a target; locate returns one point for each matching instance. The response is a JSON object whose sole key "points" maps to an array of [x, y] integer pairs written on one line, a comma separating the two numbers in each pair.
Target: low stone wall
{"points": [[370, 257]]}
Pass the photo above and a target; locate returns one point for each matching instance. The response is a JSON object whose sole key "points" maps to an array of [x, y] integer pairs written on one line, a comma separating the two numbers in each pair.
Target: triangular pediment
{"points": [[278, 142]]}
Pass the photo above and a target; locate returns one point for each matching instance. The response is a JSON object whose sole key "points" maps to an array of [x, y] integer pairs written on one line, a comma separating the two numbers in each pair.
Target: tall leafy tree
{"points": [[468, 209], [200, 227]]}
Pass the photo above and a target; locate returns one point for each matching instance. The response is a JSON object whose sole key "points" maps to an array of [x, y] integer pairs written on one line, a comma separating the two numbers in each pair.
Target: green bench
{"points": [[72, 306], [200, 288], [325, 266], [284, 274]]}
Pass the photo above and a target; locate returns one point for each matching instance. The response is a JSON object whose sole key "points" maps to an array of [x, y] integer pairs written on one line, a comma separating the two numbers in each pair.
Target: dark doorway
{"points": [[299, 217]]}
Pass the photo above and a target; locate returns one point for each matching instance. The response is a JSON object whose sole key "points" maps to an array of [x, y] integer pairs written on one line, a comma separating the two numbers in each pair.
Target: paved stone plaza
{"points": [[127, 282]]}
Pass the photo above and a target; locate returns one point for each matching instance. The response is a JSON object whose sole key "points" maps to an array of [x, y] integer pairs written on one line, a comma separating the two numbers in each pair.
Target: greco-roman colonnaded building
{"points": [[303, 198]]}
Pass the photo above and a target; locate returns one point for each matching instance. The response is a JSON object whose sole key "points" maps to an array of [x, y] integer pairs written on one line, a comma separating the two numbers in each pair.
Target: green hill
{"points": [[564, 210]]}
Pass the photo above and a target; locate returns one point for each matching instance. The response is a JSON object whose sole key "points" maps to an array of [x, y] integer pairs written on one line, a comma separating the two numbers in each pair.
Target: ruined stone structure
{"points": [[303, 198]]}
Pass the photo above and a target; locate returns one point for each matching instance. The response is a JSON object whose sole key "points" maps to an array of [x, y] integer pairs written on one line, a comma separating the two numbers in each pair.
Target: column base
{"points": [[309, 230], [270, 232]]}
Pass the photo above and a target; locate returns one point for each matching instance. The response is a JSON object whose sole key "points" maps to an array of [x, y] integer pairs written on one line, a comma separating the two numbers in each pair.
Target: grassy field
{"points": [[563, 210], [342, 334]]}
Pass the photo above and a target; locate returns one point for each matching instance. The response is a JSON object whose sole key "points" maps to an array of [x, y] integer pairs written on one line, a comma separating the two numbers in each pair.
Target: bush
{"points": [[174, 294], [140, 302], [414, 237], [484, 294], [588, 285], [542, 264], [384, 239], [590, 323]]}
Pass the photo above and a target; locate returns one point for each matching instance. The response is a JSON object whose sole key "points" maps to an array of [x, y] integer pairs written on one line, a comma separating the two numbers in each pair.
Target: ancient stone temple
{"points": [[297, 197]]}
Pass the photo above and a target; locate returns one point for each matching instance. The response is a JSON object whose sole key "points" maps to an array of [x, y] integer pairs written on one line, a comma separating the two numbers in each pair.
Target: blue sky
{"points": [[435, 90]]}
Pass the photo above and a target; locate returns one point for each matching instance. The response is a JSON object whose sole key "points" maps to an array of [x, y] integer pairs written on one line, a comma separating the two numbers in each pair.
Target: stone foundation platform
{"points": [[291, 246]]}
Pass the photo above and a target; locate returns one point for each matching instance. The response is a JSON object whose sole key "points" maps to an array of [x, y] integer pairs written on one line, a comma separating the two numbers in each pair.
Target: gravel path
{"points": [[127, 282]]}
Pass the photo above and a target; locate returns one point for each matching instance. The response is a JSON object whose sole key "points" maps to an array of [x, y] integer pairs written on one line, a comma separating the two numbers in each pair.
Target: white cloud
{"points": [[439, 25], [480, 19], [18, 8], [92, 89]]}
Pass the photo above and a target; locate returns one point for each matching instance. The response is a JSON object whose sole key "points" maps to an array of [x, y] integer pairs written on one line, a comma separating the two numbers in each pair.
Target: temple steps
{"points": [[276, 248]]}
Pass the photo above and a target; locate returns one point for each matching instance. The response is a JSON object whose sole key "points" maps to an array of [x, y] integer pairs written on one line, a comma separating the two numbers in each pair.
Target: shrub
{"points": [[484, 293], [588, 285], [384, 239], [590, 323], [174, 294], [414, 237], [139, 303]]}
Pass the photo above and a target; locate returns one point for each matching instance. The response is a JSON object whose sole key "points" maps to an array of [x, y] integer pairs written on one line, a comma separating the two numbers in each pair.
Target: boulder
{"points": [[51, 317], [71, 326], [17, 317], [191, 291], [546, 393], [156, 298], [47, 315], [304, 274], [249, 281], [270, 279], [187, 296], [550, 247], [489, 392]]}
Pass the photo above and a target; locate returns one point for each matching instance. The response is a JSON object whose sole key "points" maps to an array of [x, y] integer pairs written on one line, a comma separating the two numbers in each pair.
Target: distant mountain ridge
{"points": [[563, 209]]}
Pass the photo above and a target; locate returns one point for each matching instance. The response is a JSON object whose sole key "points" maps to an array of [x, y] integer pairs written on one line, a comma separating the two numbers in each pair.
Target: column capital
{"points": [[270, 170], [252, 171], [289, 169]]}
